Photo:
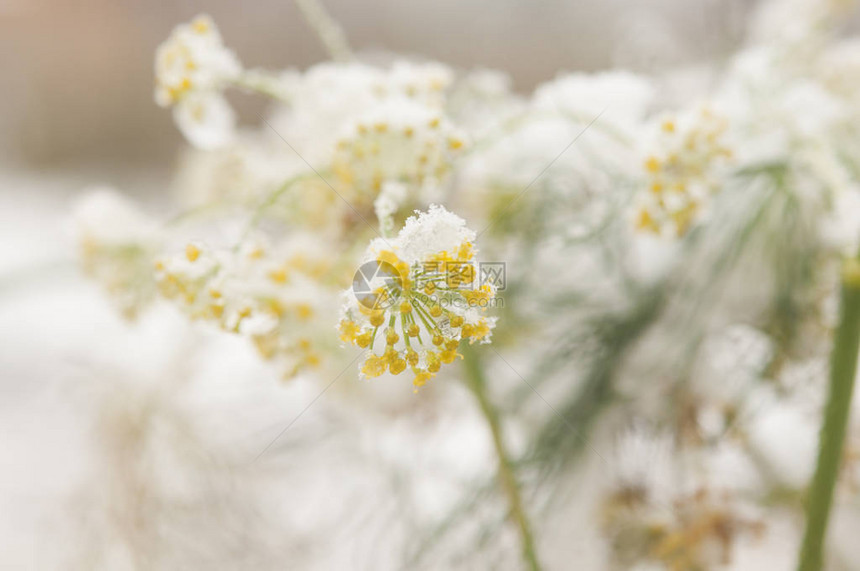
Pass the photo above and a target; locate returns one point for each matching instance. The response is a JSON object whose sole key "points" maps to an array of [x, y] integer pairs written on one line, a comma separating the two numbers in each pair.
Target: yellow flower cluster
{"points": [[419, 316], [680, 174], [409, 144], [193, 58], [271, 300], [116, 245]]}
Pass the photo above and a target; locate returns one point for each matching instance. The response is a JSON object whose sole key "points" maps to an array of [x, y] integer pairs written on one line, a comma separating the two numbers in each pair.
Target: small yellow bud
{"points": [[348, 330], [391, 336], [192, 252], [217, 310], [279, 276], [304, 311], [397, 366], [421, 378], [433, 363], [412, 330], [405, 307], [652, 164], [411, 357], [389, 355], [377, 318], [448, 356], [373, 366], [275, 307], [200, 25], [363, 340], [644, 221]]}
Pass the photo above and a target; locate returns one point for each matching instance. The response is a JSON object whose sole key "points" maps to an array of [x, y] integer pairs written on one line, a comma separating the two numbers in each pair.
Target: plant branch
{"points": [[843, 369], [476, 381]]}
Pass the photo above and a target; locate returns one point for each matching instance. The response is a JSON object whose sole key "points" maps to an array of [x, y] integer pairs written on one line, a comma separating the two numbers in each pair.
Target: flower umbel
{"points": [[417, 298], [192, 67], [274, 297], [682, 172], [117, 243]]}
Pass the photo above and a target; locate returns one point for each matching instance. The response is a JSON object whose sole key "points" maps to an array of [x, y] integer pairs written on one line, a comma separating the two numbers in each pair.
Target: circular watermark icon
{"points": [[376, 284]]}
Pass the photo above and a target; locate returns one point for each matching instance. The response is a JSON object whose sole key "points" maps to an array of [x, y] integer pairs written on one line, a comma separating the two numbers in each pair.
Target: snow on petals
{"points": [[417, 297], [192, 67]]}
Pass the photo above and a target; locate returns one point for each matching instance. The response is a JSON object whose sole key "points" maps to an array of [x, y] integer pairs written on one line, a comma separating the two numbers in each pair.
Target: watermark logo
{"points": [[375, 284], [460, 275], [494, 274]]}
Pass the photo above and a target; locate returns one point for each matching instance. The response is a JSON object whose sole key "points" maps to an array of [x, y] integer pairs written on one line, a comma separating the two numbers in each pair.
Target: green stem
{"points": [[476, 381], [843, 368]]}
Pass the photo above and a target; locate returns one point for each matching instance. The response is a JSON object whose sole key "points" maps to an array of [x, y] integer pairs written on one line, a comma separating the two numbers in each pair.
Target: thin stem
{"points": [[507, 479], [843, 368], [328, 30], [270, 200], [263, 85]]}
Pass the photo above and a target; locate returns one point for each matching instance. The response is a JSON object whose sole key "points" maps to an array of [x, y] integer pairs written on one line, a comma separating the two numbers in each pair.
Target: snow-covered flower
{"points": [[275, 296], [325, 101], [682, 169], [624, 98], [117, 243], [417, 297], [192, 68], [399, 140], [363, 126]]}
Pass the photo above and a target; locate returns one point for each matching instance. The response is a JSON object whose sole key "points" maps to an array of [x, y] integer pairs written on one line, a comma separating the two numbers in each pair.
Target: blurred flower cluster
{"points": [[671, 268]]}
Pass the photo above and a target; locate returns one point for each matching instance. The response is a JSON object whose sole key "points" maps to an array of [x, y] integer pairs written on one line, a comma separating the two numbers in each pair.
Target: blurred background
{"points": [[77, 76], [77, 109]]}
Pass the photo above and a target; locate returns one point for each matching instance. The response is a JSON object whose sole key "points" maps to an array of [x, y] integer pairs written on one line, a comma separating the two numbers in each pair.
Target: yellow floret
{"points": [[397, 366], [373, 366], [363, 340], [192, 252], [348, 330], [652, 165]]}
